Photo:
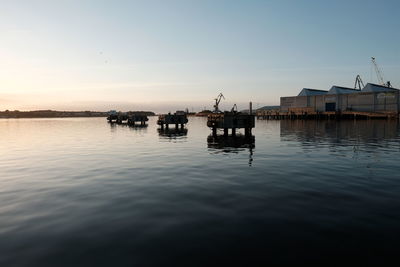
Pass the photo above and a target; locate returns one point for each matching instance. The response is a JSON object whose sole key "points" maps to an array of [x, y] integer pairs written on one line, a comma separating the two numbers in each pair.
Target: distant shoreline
{"points": [[58, 114]]}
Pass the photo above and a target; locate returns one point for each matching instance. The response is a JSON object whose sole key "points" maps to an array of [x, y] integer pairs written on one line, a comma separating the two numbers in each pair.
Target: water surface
{"points": [[80, 192]]}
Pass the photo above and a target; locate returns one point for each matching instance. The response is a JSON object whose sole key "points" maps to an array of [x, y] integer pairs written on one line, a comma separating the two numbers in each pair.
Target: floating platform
{"points": [[231, 120], [130, 119], [176, 118]]}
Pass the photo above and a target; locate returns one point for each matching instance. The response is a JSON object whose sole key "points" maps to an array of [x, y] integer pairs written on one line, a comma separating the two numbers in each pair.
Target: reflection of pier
{"points": [[172, 133], [133, 127], [137, 127], [232, 144], [238, 141]]}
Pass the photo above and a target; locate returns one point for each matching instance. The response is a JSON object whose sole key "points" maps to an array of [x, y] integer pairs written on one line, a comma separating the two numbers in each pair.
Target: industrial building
{"points": [[373, 98]]}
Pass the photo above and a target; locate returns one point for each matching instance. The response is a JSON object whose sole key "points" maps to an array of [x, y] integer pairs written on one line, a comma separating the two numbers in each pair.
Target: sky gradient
{"points": [[168, 55]]}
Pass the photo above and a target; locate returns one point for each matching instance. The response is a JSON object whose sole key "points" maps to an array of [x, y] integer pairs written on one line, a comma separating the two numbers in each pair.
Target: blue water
{"points": [[83, 192]]}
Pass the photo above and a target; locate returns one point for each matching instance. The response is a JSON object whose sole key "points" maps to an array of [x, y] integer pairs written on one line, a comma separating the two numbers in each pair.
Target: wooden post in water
{"points": [[247, 132], [214, 131]]}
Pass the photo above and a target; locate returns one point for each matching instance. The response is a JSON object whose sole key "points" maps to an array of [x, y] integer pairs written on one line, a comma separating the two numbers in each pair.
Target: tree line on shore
{"points": [[59, 114]]}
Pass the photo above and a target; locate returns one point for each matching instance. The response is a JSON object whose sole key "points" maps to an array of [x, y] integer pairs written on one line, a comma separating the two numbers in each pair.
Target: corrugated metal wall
{"points": [[293, 102]]}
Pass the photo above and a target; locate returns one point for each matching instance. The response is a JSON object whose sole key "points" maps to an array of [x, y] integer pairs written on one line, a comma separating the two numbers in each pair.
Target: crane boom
{"points": [[358, 83], [379, 74]]}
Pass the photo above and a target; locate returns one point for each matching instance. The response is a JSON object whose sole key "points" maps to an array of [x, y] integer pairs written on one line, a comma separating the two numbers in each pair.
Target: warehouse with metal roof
{"points": [[371, 87], [310, 92], [339, 90], [371, 98]]}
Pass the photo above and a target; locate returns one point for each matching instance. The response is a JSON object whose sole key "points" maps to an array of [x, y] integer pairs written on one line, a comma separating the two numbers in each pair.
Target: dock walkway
{"points": [[307, 113]]}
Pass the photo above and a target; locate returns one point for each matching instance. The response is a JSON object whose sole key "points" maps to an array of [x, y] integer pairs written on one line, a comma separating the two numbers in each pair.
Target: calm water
{"points": [[82, 192]]}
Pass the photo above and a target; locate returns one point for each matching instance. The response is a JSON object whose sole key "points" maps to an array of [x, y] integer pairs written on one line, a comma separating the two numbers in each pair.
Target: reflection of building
{"points": [[332, 131], [372, 98]]}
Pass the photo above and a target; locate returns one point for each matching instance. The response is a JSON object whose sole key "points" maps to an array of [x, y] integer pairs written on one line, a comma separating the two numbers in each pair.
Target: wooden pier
{"points": [[309, 113], [178, 118]]}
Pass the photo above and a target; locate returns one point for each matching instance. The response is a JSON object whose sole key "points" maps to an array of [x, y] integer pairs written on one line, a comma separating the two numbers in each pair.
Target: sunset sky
{"points": [[168, 55]]}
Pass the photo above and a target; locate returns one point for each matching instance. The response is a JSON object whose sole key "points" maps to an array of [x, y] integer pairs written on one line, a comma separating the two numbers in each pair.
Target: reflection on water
{"points": [[133, 127], [232, 144], [138, 127], [173, 133], [364, 143], [339, 133], [80, 192], [229, 143]]}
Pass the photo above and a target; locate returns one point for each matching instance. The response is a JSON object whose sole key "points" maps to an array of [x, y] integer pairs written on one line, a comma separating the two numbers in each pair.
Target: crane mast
{"points": [[217, 101]]}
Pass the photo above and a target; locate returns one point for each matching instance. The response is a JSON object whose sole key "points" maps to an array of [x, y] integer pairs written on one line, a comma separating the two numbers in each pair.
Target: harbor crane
{"points": [[217, 101], [358, 83], [379, 74]]}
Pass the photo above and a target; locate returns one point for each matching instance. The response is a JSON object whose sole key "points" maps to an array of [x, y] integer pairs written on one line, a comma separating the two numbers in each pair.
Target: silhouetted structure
{"points": [[131, 118], [231, 120], [178, 118]]}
